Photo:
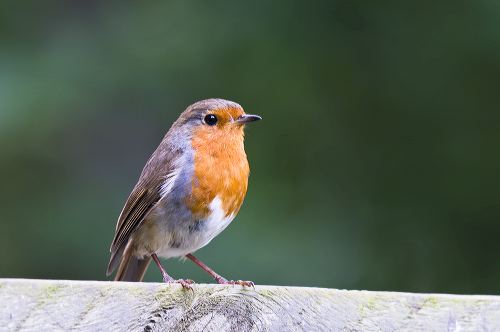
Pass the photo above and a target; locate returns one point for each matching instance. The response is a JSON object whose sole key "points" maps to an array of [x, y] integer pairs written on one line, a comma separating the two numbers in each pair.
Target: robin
{"points": [[190, 190]]}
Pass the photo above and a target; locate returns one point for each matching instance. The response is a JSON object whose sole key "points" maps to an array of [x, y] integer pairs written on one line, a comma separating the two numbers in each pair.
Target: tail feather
{"points": [[114, 261], [131, 268]]}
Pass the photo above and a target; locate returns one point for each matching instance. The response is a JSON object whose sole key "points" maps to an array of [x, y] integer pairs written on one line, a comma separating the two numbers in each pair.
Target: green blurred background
{"points": [[376, 166]]}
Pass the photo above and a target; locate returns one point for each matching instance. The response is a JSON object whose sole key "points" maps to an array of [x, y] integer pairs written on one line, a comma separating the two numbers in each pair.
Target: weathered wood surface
{"points": [[45, 305]]}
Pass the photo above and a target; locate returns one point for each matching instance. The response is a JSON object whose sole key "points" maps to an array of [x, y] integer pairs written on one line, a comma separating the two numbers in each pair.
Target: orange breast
{"points": [[220, 169]]}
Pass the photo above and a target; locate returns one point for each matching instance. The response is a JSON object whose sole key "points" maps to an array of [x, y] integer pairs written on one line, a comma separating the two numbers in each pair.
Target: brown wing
{"points": [[143, 198], [140, 202]]}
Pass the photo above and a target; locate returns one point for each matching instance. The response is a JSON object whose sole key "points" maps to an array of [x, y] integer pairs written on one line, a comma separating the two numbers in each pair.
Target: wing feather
{"points": [[145, 195], [140, 202]]}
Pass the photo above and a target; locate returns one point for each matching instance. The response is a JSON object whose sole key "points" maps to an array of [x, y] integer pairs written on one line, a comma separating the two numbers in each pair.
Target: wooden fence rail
{"points": [[53, 305]]}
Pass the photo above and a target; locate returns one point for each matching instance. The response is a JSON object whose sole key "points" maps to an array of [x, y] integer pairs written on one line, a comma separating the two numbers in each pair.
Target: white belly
{"points": [[169, 239]]}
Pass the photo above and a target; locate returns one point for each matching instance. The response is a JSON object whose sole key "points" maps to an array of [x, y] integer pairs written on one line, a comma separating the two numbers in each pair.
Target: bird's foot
{"points": [[224, 281], [185, 283]]}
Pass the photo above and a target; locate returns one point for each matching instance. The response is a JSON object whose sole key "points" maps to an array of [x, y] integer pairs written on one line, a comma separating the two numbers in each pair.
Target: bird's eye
{"points": [[210, 119]]}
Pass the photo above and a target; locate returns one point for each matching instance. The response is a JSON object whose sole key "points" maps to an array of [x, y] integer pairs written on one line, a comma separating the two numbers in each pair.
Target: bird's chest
{"points": [[217, 187], [220, 181]]}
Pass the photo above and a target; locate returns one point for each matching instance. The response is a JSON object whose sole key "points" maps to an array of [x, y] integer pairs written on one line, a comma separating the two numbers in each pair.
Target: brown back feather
{"points": [[141, 201]]}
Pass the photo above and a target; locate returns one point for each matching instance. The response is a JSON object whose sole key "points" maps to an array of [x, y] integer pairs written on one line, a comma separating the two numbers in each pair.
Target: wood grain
{"points": [[52, 305]]}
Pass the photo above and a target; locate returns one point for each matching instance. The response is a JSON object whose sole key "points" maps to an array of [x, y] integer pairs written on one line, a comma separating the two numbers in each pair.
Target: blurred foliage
{"points": [[376, 165]]}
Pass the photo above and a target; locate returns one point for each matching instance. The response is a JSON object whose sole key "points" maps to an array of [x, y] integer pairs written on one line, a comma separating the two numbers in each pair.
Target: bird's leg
{"points": [[186, 283], [216, 276], [166, 277]]}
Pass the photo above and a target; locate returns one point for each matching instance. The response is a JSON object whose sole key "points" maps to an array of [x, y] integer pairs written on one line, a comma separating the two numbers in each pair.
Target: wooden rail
{"points": [[53, 305]]}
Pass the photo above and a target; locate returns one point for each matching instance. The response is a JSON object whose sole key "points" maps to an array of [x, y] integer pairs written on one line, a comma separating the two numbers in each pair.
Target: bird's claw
{"points": [[243, 283], [185, 283]]}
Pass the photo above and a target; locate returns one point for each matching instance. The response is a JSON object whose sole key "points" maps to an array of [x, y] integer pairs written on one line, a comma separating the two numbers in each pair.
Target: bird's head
{"points": [[215, 120]]}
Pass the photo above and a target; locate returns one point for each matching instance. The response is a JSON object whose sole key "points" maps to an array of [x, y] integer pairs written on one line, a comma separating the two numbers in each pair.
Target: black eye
{"points": [[211, 119]]}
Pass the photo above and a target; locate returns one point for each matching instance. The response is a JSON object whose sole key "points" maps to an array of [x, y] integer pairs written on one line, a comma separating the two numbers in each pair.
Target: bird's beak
{"points": [[246, 118]]}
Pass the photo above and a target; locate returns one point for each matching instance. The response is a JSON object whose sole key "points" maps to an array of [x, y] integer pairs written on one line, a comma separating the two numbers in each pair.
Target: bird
{"points": [[189, 191]]}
